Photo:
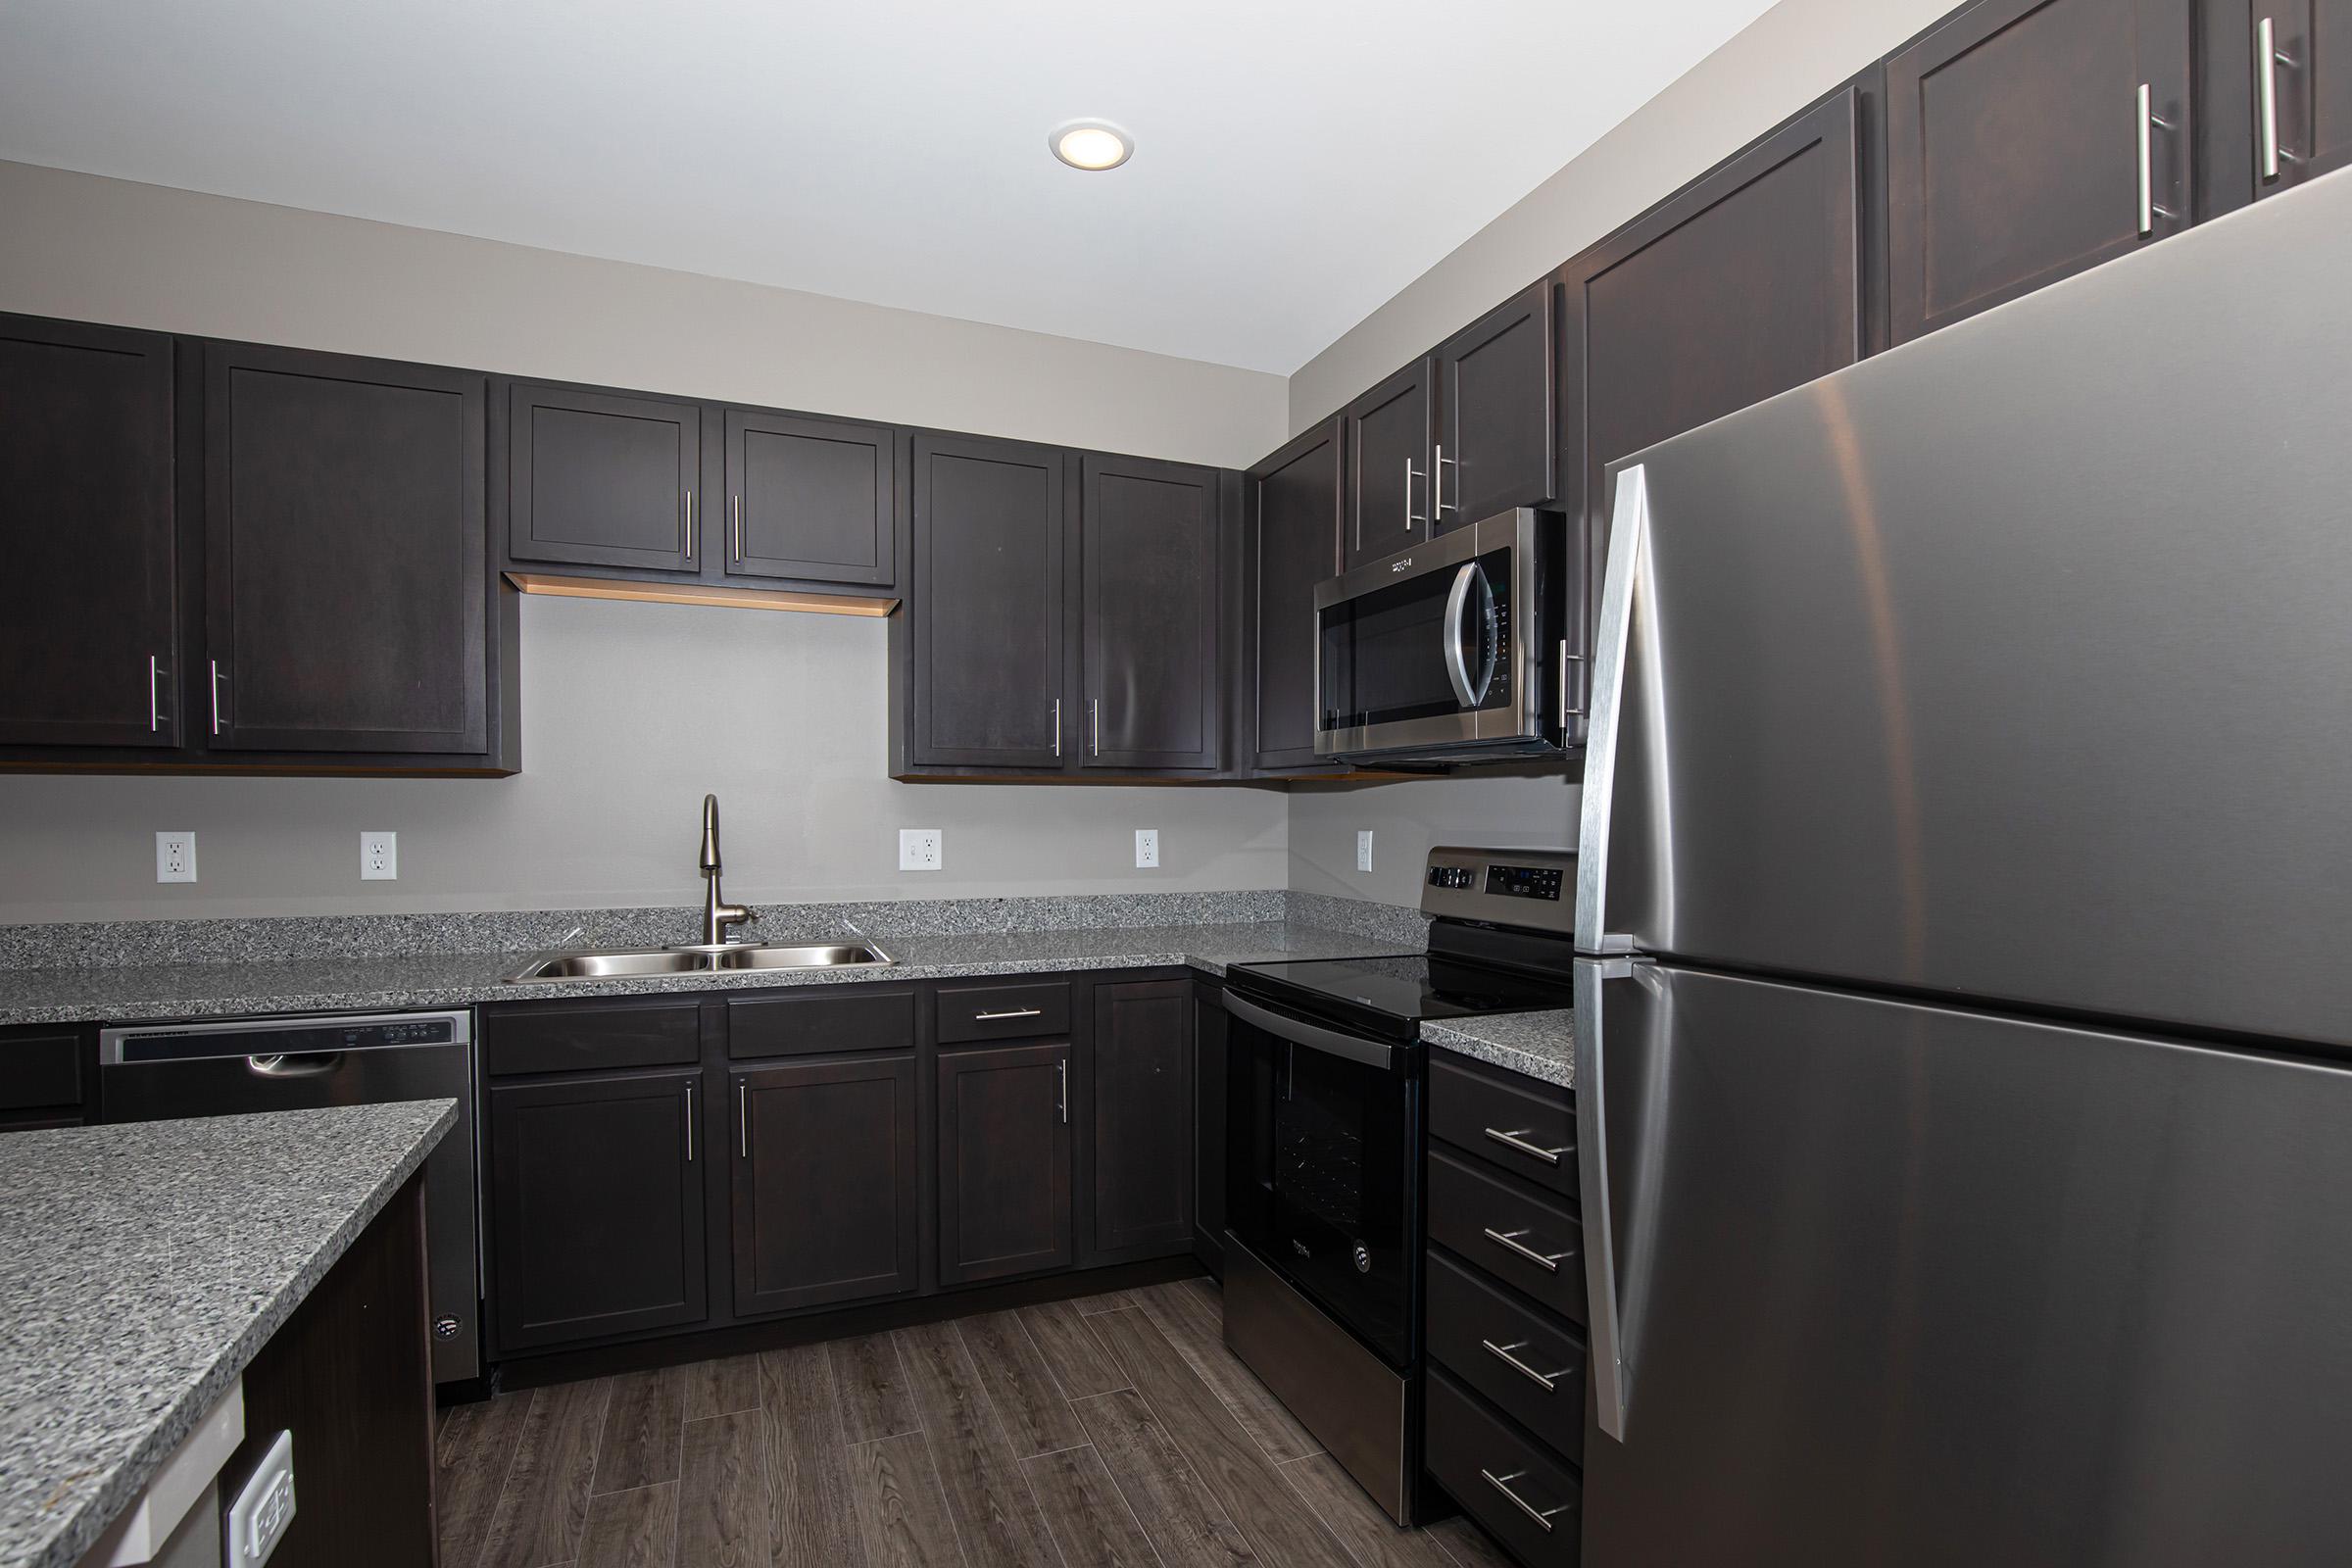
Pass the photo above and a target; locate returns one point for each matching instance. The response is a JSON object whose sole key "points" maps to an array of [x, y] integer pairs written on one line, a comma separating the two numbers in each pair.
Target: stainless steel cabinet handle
{"points": [[1549, 1262], [1502, 1484], [1094, 711], [1549, 1382], [689, 525], [1009, 1013], [1437, 482], [1516, 1141], [688, 1121], [2267, 61], [1568, 710], [1056, 726], [154, 715], [1410, 516], [2149, 122], [215, 683], [735, 531], [742, 1119], [1062, 1069]]}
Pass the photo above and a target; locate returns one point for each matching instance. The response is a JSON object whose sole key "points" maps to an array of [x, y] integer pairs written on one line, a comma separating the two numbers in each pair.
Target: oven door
{"points": [[1436, 649], [1323, 1166]]}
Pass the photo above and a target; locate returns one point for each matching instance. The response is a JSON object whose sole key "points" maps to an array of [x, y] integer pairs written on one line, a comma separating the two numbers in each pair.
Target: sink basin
{"points": [[635, 962]]}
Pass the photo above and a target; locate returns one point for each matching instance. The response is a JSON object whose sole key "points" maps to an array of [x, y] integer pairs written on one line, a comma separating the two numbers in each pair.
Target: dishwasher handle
{"points": [[311, 1064]]}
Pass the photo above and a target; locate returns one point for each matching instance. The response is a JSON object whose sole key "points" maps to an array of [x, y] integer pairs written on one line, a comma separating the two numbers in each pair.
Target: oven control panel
{"points": [[1523, 881], [1527, 888], [1460, 878]]}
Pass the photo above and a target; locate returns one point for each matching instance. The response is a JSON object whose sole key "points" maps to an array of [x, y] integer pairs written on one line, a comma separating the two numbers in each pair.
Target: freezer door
{"points": [[1899, 1285], [2012, 664]]}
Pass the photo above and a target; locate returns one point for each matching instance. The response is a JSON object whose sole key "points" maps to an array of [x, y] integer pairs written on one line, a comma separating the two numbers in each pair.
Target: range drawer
{"points": [[596, 1036], [1509, 1232], [1526, 1498], [1529, 1363], [1003, 1011], [1526, 1127], [821, 1020]]}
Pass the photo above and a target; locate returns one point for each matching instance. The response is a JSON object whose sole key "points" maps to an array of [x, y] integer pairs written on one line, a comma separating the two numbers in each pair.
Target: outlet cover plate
{"points": [[176, 856], [920, 849], [379, 856], [1146, 848]]}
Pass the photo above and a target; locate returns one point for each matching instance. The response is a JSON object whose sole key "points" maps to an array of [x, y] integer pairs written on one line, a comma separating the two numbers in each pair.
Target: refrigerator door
{"points": [[2013, 663], [1900, 1284]]}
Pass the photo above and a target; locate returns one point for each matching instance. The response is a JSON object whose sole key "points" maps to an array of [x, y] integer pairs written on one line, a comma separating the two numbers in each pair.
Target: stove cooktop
{"points": [[1416, 988]]}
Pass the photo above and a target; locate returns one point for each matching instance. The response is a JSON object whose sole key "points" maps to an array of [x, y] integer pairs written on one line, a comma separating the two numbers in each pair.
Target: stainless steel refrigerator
{"points": [[1964, 1058]]}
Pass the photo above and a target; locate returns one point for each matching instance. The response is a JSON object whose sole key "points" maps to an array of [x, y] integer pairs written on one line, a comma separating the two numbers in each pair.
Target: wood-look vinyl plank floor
{"points": [[1111, 1430]]}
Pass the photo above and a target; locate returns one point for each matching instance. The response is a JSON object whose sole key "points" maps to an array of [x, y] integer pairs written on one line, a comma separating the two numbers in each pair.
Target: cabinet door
{"points": [[1746, 284], [345, 555], [596, 1208], [602, 479], [1148, 541], [1499, 431], [1208, 1128], [2013, 149], [2307, 86], [984, 605], [1003, 1162], [1140, 1132], [824, 1183], [88, 640], [811, 499], [1388, 465], [1296, 501]]}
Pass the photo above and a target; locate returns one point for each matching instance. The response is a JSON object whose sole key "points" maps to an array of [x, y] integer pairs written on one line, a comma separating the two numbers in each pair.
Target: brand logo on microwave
{"points": [[1402, 564]]}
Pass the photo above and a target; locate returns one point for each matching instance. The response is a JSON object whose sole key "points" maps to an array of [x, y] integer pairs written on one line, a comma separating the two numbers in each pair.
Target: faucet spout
{"points": [[710, 857], [717, 913]]}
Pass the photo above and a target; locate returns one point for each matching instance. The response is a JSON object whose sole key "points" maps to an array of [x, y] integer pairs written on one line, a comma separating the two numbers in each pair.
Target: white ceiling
{"points": [[1297, 160]]}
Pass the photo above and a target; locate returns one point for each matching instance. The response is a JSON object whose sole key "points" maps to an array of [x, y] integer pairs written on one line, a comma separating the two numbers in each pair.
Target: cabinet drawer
{"points": [[1526, 1498], [39, 1072], [1526, 1127], [590, 1038], [1003, 1011], [1508, 1233], [1529, 1363], [821, 1020]]}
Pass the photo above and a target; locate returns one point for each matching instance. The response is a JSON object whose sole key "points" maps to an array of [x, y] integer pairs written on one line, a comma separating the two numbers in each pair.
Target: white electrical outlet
{"points": [[1147, 847], [919, 849], [259, 1517], [176, 856], [379, 856], [1363, 849]]}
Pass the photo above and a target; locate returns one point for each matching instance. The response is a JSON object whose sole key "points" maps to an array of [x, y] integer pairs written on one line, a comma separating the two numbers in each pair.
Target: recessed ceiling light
{"points": [[1090, 144]]}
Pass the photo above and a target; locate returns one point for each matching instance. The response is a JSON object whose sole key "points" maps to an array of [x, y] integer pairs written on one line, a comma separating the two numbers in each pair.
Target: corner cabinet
{"points": [[1137, 1154], [1295, 500]]}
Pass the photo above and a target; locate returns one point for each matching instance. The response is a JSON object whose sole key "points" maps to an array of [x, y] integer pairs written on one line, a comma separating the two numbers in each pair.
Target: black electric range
{"points": [[1324, 1128]]}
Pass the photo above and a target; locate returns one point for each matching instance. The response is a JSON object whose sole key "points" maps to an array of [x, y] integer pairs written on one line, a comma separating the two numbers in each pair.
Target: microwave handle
{"points": [[1457, 599], [1371, 1052]]}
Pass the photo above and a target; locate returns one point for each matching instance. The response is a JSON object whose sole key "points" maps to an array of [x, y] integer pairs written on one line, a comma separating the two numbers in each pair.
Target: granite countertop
{"points": [[358, 984], [142, 1267], [1540, 1044]]}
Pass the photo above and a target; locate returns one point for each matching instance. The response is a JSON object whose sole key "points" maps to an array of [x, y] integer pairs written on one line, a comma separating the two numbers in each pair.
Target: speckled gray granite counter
{"points": [[320, 984], [141, 1267], [1540, 1044]]}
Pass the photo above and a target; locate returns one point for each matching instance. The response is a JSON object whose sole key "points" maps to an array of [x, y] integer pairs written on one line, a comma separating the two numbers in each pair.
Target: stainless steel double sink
{"points": [[734, 957]]}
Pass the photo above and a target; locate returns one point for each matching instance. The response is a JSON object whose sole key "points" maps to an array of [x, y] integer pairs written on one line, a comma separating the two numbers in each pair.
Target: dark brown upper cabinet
{"points": [[605, 479], [90, 639], [1497, 441], [1746, 284], [347, 603], [2027, 141], [2301, 107], [596, 1208], [1005, 1173], [1389, 430], [1147, 538], [981, 684], [1294, 501], [1138, 1147], [814, 500], [824, 1187]]}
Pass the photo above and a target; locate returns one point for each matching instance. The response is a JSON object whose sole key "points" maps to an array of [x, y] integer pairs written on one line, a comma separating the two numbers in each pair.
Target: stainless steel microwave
{"points": [[1456, 650]]}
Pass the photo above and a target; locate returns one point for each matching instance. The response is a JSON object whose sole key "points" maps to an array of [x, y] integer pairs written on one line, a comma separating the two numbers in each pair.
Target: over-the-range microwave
{"points": [[1457, 650]]}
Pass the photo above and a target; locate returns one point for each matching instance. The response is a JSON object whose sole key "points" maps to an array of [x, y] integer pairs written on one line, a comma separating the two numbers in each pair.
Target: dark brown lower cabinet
{"points": [[824, 1184], [1140, 1133], [596, 1208], [1005, 1176], [1208, 1128]]}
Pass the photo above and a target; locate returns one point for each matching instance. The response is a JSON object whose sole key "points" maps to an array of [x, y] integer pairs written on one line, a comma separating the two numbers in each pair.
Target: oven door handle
{"points": [[1330, 1042]]}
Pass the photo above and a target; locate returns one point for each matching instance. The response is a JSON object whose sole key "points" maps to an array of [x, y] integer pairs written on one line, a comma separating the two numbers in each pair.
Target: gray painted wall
{"points": [[1508, 809]]}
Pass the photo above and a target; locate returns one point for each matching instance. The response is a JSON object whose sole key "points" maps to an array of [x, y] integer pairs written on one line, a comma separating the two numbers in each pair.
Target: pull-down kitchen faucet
{"points": [[717, 913]]}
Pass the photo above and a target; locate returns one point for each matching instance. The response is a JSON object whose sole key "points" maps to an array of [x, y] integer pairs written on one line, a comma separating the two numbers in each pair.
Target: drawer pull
{"points": [[1510, 1240], [1008, 1012], [1549, 1384], [1502, 1484], [1517, 1143]]}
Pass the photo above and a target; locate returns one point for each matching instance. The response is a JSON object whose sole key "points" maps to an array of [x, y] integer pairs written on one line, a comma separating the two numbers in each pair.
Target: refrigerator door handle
{"points": [[1606, 701], [1610, 1374]]}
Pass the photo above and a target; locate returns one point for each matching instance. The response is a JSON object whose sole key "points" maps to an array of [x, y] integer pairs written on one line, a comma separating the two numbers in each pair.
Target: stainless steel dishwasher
{"points": [[164, 1072]]}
